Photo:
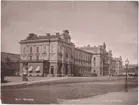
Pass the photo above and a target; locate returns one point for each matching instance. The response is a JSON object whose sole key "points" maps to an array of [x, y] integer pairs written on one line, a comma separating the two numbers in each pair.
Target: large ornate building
{"points": [[56, 55], [82, 63], [53, 55]]}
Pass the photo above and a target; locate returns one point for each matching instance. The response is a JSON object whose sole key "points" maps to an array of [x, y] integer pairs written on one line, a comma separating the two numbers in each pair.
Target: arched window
{"points": [[37, 49], [24, 50], [37, 57], [44, 49], [30, 49], [30, 57], [52, 69], [94, 59]]}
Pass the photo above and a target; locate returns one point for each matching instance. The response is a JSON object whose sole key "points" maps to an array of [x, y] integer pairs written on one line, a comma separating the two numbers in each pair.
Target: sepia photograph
{"points": [[69, 52]]}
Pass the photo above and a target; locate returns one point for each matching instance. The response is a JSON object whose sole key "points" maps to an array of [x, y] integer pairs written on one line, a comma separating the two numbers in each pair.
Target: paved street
{"points": [[112, 98], [52, 93]]}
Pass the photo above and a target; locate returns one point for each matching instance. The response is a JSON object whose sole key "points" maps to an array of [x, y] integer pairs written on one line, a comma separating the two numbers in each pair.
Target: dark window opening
{"points": [[94, 59], [37, 49], [52, 69], [30, 57], [44, 49], [37, 57], [24, 50], [30, 49]]}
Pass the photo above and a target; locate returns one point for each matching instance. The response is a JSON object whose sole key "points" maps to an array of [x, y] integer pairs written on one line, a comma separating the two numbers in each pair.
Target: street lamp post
{"points": [[126, 64], [48, 34]]}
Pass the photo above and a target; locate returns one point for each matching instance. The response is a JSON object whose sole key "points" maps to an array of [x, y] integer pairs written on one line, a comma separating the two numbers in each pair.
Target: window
{"points": [[30, 57], [66, 55], [44, 49], [24, 50], [30, 49], [37, 57], [94, 59], [37, 49], [52, 69], [94, 64]]}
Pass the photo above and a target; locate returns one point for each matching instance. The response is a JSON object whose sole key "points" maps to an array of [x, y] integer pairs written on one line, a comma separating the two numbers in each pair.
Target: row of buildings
{"points": [[56, 55]]}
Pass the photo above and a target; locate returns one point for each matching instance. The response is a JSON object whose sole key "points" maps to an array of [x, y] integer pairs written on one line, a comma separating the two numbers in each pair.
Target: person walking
{"points": [[24, 78]]}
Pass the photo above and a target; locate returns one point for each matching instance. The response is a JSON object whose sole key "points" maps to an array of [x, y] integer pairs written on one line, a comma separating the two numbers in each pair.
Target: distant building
{"points": [[100, 59], [110, 62], [82, 63], [118, 65], [113, 67], [132, 69], [10, 63]]}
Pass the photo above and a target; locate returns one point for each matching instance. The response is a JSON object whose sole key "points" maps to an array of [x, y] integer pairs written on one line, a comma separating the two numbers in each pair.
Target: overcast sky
{"points": [[114, 23]]}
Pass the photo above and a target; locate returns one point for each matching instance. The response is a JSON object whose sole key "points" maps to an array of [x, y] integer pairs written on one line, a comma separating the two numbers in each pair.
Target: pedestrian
{"points": [[24, 77]]}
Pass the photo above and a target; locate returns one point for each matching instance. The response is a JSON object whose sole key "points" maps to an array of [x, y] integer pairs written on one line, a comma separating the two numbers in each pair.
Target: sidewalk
{"points": [[113, 98], [32, 80], [16, 81]]}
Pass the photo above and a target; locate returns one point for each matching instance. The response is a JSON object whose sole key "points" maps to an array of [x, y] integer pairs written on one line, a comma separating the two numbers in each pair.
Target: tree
{"points": [[2, 72], [8, 66]]}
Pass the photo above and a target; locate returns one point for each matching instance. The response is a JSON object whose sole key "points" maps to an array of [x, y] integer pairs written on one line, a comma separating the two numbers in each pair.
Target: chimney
{"points": [[57, 34], [31, 34], [48, 34], [88, 46], [66, 32]]}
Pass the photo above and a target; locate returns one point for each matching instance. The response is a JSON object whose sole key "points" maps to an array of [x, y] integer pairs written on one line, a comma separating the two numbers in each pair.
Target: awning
{"points": [[30, 68], [38, 68]]}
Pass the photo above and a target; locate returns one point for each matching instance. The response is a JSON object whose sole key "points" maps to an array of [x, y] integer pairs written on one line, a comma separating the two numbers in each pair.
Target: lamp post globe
{"points": [[126, 62]]}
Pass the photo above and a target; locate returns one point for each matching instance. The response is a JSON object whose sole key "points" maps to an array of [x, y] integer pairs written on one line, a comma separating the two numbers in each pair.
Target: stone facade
{"points": [[82, 63], [132, 69], [113, 67], [99, 61], [56, 55], [110, 61], [118, 66], [53, 55]]}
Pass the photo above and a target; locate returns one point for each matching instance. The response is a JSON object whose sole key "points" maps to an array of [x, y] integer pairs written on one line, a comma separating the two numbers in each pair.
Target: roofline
{"points": [[82, 50], [10, 53]]}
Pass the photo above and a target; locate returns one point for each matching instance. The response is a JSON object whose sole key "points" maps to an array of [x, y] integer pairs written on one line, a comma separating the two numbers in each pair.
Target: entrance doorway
{"points": [[66, 69], [52, 70]]}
